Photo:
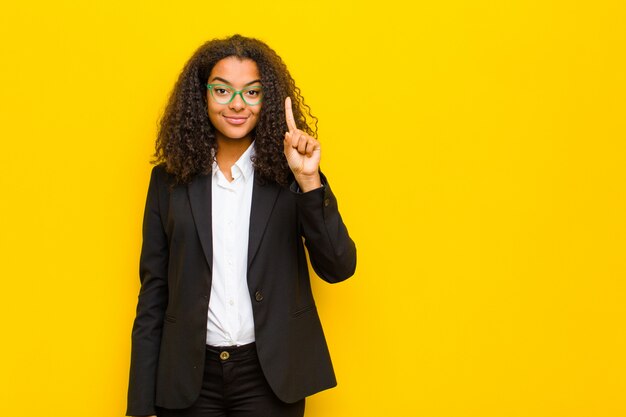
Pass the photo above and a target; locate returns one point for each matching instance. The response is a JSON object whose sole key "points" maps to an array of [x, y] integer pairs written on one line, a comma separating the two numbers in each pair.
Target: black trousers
{"points": [[234, 386]]}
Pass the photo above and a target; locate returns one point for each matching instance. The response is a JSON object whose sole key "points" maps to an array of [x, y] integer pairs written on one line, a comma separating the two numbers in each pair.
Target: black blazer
{"points": [[169, 332]]}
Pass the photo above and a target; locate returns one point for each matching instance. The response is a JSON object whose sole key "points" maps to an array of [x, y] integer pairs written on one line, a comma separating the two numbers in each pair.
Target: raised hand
{"points": [[303, 153]]}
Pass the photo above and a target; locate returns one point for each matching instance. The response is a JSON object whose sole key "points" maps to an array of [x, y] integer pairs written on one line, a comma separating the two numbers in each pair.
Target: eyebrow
{"points": [[228, 82]]}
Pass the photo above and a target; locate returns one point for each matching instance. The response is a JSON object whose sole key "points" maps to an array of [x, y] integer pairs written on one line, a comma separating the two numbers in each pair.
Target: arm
{"points": [[331, 250], [151, 305]]}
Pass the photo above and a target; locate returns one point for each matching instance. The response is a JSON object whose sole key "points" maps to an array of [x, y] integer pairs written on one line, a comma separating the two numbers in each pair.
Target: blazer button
{"points": [[258, 296], [326, 202]]}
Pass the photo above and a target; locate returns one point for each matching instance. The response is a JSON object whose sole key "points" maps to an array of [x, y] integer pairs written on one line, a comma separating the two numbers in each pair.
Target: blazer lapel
{"points": [[199, 190], [263, 199]]}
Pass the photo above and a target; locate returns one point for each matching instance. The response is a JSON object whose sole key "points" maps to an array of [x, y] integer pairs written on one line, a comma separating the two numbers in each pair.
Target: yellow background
{"points": [[477, 151]]}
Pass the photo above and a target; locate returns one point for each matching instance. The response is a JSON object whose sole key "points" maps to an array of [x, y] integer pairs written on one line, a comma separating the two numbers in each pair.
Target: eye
{"points": [[221, 90], [254, 93]]}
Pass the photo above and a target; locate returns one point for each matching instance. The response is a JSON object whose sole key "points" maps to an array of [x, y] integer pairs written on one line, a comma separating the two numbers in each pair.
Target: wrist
{"points": [[309, 182]]}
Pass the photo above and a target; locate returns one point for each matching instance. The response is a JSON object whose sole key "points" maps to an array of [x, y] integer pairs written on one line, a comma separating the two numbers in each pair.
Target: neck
{"points": [[229, 151]]}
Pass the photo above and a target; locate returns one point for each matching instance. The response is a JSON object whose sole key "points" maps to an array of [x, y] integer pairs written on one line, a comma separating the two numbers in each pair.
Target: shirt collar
{"points": [[243, 166]]}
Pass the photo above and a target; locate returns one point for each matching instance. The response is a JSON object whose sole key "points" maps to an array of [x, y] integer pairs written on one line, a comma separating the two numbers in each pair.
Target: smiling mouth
{"points": [[235, 120]]}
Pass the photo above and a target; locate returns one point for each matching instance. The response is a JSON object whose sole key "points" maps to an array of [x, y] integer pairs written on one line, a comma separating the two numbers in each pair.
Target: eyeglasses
{"points": [[224, 94]]}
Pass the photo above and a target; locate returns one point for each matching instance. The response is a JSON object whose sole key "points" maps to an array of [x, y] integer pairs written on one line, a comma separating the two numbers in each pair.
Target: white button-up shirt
{"points": [[230, 319]]}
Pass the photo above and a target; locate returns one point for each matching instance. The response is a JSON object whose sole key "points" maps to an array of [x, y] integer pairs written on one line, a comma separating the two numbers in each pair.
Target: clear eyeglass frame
{"points": [[219, 100]]}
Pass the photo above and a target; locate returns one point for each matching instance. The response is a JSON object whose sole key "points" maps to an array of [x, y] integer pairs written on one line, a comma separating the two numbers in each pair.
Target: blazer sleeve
{"points": [[151, 304], [331, 250]]}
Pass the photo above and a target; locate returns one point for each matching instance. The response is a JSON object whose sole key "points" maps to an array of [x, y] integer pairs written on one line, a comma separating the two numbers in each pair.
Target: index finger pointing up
{"points": [[291, 123]]}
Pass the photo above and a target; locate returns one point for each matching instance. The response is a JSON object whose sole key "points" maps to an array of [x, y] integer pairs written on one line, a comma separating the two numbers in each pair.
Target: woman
{"points": [[226, 323]]}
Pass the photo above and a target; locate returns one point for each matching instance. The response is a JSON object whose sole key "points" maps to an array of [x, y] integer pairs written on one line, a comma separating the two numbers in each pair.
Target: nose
{"points": [[237, 103]]}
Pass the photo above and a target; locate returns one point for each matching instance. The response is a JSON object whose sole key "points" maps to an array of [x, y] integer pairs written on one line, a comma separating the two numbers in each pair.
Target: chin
{"points": [[230, 135], [236, 135]]}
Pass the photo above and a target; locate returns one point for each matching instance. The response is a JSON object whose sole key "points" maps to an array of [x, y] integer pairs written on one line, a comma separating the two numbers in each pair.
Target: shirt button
{"points": [[326, 202], [231, 302], [258, 296]]}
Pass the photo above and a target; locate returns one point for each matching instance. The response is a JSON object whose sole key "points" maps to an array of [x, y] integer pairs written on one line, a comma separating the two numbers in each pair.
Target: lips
{"points": [[237, 120]]}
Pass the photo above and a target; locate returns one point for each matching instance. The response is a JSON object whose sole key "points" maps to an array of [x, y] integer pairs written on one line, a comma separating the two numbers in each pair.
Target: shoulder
{"points": [[161, 179], [162, 175], [160, 170]]}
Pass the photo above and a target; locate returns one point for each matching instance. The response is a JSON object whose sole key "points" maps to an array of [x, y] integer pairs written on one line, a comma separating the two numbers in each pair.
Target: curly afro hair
{"points": [[186, 141]]}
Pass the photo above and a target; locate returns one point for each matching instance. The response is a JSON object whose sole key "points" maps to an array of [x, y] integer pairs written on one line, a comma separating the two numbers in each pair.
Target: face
{"points": [[234, 121]]}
